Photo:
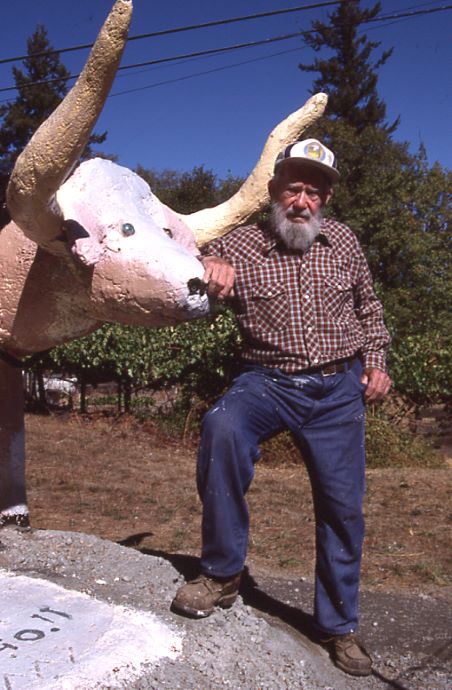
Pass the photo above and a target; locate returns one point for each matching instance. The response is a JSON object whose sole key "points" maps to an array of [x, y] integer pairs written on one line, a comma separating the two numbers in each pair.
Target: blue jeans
{"points": [[326, 416]]}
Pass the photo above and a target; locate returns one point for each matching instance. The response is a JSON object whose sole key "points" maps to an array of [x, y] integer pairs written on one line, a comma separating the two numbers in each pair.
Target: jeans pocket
{"points": [[355, 377]]}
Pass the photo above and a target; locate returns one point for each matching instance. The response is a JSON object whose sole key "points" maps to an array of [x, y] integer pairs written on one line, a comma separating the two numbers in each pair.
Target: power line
{"points": [[224, 49], [204, 72], [195, 74], [409, 14], [180, 29], [222, 22], [398, 18], [246, 62], [213, 51], [174, 58]]}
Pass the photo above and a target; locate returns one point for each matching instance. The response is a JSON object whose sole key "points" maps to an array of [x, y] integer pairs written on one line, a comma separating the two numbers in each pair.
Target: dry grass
{"points": [[116, 478]]}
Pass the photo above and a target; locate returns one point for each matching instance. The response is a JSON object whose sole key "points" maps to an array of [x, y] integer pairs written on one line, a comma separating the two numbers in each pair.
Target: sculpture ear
{"points": [[86, 249]]}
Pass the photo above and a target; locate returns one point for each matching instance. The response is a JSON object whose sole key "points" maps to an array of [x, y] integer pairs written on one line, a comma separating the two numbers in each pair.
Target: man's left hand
{"points": [[219, 275], [377, 384]]}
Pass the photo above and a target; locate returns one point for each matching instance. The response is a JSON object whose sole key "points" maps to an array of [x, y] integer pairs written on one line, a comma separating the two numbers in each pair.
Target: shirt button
{"points": [[314, 361], [309, 329]]}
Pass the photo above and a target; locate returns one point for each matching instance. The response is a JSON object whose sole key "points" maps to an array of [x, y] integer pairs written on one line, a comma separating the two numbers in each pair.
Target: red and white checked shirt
{"points": [[296, 311]]}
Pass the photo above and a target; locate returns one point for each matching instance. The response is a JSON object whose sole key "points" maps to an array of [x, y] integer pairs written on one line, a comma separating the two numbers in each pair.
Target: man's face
{"points": [[299, 194], [298, 188]]}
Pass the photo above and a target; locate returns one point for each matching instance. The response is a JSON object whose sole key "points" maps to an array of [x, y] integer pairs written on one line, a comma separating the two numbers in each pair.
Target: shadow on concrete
{"points": [[269, 604], [252, 595]]}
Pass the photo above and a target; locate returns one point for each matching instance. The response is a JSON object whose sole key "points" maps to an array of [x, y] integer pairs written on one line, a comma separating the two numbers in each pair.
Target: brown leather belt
{"points": [[331, 368]]}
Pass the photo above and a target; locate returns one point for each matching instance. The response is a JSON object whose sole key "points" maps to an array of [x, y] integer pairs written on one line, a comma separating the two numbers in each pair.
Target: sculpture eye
{"points": [[168, 232], [128, 229]]}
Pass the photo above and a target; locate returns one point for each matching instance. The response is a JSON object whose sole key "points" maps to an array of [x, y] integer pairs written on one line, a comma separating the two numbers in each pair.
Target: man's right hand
{"points": [[219, 276]]}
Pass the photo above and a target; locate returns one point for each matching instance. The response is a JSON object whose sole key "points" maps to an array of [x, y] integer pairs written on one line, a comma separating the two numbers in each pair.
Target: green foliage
{"points": [[388, 445], [111, 353], [421, 366], [199, 356], [188, 192]]}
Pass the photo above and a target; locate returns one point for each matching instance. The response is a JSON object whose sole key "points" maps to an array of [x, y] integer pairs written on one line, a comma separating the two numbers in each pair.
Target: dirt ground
{"points": [[127, 482]]}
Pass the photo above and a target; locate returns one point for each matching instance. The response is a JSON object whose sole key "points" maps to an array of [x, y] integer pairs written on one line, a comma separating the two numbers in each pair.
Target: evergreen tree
{"points": [[371, 164], [187, 192], [41, 86], [349, 76], [35, 101]]}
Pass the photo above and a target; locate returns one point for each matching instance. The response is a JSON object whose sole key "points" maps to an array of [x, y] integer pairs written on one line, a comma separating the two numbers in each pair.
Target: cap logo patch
{"points": [[315, 151]]}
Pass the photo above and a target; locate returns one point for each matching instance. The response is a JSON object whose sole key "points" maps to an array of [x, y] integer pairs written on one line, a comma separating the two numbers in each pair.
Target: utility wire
{"points": [[203, 73], [218, 22], [194, 74], [174, 58], [274, 39], [412, 13], [215, 51], [180, 29]]}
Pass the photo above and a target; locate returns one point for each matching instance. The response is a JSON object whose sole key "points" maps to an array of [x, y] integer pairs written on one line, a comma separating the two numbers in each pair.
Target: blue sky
{"points": [[170, 116]]}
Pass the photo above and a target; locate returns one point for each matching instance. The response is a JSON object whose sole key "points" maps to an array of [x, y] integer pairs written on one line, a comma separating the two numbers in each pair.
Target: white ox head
{"points": [[104, 221], [142, 257]]}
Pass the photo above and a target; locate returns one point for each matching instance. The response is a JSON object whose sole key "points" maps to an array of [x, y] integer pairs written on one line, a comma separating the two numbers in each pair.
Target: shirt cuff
{"points": [[374, 360]]}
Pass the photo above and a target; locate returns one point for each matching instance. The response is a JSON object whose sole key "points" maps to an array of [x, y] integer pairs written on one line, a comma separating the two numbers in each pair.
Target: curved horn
{"points": [[58, 143], [214, 222]]}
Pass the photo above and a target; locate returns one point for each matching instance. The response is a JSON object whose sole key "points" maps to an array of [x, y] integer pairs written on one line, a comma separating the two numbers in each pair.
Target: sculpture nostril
{"points": [[196, 287]]}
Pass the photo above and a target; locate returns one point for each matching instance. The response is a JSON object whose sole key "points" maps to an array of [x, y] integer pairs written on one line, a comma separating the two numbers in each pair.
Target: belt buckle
{"points": [[329, 373]]}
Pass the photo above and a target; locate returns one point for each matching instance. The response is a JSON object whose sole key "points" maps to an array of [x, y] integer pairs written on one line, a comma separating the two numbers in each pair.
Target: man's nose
{"points": [[301, 199]]}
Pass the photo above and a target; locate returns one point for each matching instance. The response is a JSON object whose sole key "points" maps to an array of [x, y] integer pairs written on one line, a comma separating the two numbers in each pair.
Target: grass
{"points": [[389, 442], [116, 478], [389, 445]]}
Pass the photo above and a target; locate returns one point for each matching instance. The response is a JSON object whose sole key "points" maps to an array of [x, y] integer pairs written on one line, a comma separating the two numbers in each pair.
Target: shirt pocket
{"points": [[268, 307], [338, 297]]}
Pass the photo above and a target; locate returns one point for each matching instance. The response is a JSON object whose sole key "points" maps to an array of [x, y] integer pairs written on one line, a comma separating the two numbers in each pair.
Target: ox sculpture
{"points": [[96, 245]]}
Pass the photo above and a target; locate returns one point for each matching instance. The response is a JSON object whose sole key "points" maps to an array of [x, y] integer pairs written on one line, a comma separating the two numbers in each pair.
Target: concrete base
{"points": [[82, 612], [52, 638]]}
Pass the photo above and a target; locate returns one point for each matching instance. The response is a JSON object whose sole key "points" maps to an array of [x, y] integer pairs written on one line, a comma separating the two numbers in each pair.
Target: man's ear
{"points": [[329, 195], [272, 188]]}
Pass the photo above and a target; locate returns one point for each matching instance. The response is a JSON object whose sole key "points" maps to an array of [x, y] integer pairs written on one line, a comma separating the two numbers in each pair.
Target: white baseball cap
{"points": [[312, 152]]}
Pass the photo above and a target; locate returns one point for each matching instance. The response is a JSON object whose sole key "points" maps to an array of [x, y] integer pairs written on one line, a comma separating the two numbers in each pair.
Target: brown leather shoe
{"points": [[349, 654], [199, 597]]}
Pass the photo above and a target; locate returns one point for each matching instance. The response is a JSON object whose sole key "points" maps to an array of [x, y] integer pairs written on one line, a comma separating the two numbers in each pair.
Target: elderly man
{"points": [[313, 353]]}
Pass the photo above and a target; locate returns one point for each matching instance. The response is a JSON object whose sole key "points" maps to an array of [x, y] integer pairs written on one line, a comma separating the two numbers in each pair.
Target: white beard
{"points": [[296, 236]]}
